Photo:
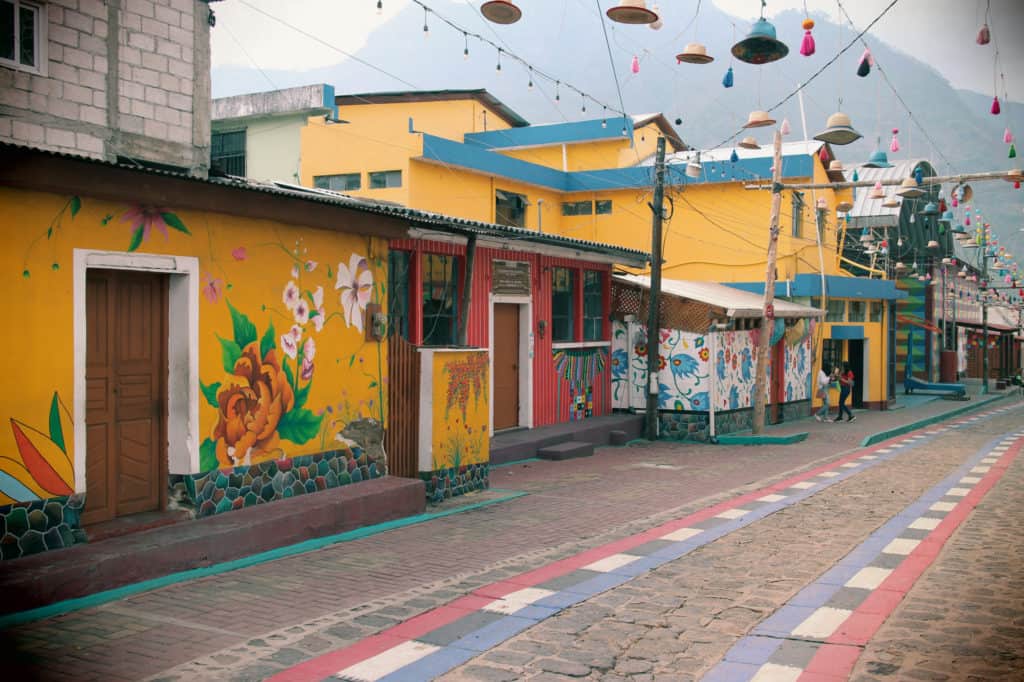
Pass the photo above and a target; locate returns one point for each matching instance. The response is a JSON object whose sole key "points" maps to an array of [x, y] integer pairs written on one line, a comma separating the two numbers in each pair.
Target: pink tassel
{"points": [[823, 155], [807, 45], [1007, 136], [995, 106], [955, 202], [635, 66], [894, 145], [984, 35], [785, 129]]}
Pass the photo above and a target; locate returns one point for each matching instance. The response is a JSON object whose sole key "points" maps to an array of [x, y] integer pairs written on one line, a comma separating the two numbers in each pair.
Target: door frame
{"points": [[182, 381], [525, 304]]}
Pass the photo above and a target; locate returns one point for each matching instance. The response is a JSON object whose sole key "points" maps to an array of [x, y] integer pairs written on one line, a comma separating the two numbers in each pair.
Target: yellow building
{"points": [[466, 154]]}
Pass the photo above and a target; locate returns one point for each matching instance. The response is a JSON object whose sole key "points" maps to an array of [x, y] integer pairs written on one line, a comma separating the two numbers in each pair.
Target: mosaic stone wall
{"points": [[32, 527], [450, 482], [218, 491], [695, 426]]}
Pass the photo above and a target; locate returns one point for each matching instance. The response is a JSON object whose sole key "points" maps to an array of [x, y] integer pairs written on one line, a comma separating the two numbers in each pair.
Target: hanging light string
{"points": [[537, 72], [615, 76], [817, 73]]}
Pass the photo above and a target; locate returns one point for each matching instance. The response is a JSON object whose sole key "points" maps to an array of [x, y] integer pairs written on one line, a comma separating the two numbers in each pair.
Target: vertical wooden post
{"points": [[653, 323], [767, 313], [467, 290]]}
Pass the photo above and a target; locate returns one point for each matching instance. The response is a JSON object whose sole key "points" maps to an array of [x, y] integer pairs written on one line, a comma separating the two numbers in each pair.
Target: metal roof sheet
{"points": [[867, 212], [736, 302]]}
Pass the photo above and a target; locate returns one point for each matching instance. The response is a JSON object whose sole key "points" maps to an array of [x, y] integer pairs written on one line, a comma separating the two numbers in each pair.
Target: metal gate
{"points": [[403, 407]]}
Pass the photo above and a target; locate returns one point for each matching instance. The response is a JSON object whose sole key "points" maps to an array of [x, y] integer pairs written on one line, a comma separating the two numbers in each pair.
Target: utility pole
{"points": [[768, 309], [653, 321], [984, 310]]}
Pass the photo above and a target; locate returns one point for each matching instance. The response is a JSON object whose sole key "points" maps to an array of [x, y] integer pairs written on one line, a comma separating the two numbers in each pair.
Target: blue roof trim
{"points": [[838, 287], [329, 100], [556, 133], [847, 331], [476, 158]]}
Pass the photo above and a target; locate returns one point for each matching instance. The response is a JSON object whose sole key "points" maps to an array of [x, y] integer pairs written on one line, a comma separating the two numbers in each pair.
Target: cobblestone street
{"points": [[819, 560]]}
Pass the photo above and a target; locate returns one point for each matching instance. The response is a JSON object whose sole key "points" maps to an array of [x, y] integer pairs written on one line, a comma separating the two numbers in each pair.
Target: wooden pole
{"points": [[653, 322], [1009, 176], [768, 312], [467, 290]]}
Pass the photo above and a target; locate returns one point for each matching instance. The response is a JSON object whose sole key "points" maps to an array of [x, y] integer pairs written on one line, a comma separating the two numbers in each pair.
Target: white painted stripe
{"points": [[388, 661], [990, 460], [869, 577], [773, 672], [980, 470], [958, 492], [803, 485], [732, 513], [682, 534], [771, 498], [822, 623], [924, 523], [869, 456], [943, 506], [850, 465], [970, 480], [610, 563], [519, 599], [829, 474], [883, 451], [900, 546]]}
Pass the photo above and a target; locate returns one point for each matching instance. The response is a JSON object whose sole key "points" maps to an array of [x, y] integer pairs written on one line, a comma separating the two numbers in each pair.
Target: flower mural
{"points": [[355, 282], [465, 376], [41, 467], [143, 220]]}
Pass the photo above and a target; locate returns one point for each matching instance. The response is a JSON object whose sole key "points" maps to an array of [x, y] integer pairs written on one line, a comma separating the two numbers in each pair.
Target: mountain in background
{"points": [[565, 40]]}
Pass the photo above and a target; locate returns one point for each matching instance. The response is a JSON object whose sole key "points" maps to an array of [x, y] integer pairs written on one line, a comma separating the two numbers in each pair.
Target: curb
{"points": [[928, 421], [751, 439]]}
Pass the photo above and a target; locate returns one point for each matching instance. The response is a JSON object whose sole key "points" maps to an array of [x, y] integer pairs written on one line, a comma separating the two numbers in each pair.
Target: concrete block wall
{"points": [[121, 78]]}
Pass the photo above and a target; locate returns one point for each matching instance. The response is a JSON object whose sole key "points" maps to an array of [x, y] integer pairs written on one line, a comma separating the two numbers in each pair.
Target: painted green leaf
{"points": [[107, 218], [299, 425], [302, 394], [76, 205], [56, 432], [136, 238], [267, 342], [245, 330], [229, 352], [288, 372], [373, 384], [352, 360], [210, 392], [174, 221], [49, 232], [207, 455]]}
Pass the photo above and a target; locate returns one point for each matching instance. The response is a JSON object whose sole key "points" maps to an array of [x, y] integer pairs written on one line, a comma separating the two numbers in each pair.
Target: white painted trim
{"points": [[182, 351], [526, 340], [581, 344], [425, 458]]}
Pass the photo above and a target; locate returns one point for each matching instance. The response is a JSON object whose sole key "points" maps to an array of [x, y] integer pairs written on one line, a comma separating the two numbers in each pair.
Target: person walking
{"points": [[824, 379], [846, 380]]}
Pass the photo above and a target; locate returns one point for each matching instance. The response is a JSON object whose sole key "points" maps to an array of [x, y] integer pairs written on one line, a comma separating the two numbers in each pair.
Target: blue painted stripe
{"points": [[15, 489]]}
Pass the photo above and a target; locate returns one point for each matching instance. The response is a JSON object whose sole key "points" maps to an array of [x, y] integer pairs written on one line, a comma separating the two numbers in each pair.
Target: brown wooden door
{"points": [[125, 414], [506, 366]]}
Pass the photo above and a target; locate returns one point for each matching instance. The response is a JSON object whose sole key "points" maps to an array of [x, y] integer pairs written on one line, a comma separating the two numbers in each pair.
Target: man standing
{"points": [[824, 379]]}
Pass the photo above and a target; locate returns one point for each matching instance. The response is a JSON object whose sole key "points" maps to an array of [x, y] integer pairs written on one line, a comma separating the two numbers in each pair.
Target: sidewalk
{"points": [[354, 589]]}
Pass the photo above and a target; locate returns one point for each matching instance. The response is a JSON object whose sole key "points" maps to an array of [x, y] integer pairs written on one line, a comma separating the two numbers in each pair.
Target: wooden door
{"points": [[125, 415], [506, 366]]}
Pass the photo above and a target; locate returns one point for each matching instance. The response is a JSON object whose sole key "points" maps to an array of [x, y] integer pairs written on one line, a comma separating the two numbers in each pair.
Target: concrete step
{"points": [[618, 437], [567, 450]]}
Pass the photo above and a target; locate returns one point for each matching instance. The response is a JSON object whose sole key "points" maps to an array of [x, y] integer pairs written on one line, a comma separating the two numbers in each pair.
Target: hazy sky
{"points": [[939, 32]]}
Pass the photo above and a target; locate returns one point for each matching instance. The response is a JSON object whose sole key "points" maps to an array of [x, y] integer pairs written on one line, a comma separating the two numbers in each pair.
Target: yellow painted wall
{"points": [[461, 409], [451, 119], [260, 268]]}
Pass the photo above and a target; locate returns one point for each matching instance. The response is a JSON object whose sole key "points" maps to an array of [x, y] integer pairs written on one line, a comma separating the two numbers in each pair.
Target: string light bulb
{"points": [[498, 67], [426, 29], [558, 96], [604, 117], [584, 100], [529, 86], [465, 50], [380, 7]]}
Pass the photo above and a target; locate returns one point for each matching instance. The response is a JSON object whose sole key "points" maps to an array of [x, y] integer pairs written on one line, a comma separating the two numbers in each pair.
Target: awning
{"points": [[736, 302]]}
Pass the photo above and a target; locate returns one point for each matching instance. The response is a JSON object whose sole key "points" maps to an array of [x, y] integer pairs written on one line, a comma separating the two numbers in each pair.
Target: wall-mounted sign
{"points": [[510, 277]]}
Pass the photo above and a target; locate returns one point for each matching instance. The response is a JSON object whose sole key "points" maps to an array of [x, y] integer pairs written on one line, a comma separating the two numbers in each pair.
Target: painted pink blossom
{"points": [[291, 295], [356, 284], [311, 265], [307, 369], [301, 311], [296, 332], [146, 218], [240, 253], [295, 272], [289, 345], [213, 289], [318, 303], [309, 348]]}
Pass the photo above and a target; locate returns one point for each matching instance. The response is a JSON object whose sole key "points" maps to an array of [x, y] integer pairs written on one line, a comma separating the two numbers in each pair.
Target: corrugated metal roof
{"points": [[437, 221], [736, 302], [869, 212]]}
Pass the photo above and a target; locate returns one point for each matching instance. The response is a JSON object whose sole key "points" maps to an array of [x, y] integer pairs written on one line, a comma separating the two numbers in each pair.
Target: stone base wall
{"points": [[696, 426], [450, 482], [32, 527], [222, 490]]}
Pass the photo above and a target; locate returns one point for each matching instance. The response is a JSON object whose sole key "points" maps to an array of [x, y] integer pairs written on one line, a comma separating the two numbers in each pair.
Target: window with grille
{"points": [[398, 293], [22, 35], [339, 183], [836, 311], [563, 294], [876, 311], [603, 207], [440, 299], [593, 300], [856, 311], [577, 207], [510, 208], [227, 152], [385, 179]]}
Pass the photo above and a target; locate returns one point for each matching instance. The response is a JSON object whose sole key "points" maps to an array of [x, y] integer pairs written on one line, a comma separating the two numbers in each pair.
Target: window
{"points": [[798, 214], [836, 311], [593, 300], [22, 39], [603, 207], [563, 293], [398, 293], [385, 179], [857, 311], [510, 208], [831, 354], [815, 302], [338, 183], [227, 152], [440, 299], [577, 207], [876, 311]]}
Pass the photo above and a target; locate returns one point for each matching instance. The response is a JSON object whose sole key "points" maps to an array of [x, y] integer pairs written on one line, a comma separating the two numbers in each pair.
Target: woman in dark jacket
{"points": [[846, 379]]}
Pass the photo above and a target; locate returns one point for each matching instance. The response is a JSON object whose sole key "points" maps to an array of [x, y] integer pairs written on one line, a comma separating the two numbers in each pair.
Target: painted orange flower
{"points": [[250, 407]]}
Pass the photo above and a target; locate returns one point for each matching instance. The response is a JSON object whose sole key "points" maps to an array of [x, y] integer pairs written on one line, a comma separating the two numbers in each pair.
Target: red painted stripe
{"points": [[831, 662], [336, 661]]}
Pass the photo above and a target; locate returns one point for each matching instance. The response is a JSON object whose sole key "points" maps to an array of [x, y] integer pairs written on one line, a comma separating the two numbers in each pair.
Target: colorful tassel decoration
{"points": [[807, 46], [823, 155], [995, 106], [894, 145], [635, 66], [734, 157], [784, 128], [984, 35], [866, 60], [1007, 136], [1016, 184], [727, 79], [955, 201], [1013, 152], [918, 175]]}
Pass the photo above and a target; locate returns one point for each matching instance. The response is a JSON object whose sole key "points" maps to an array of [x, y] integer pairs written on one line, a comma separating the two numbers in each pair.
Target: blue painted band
{"points": [[842, 332]]}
